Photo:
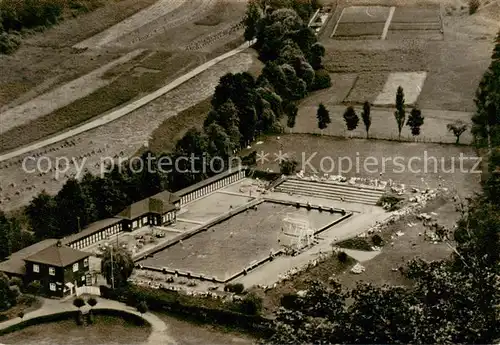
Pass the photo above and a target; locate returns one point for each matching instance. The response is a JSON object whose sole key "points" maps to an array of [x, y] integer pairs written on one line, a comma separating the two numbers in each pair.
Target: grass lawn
{"points": [[106, 330], [190, 333]]}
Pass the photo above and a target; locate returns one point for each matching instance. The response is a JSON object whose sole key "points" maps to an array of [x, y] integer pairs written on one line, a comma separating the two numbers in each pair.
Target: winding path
{"points": [[159, 330]]}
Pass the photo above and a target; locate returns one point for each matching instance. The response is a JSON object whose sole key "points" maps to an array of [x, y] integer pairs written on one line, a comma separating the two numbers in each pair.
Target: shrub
{"points": [[473, 6], [9, 43], [78, 302], [288, 166], [377, 240], [342, 256], [289, 301], [321, 80], [92, 302], [34, 287], [237, 288], [90, 317], [251, 304], [21, 314], [16, 281], [142, 307]]}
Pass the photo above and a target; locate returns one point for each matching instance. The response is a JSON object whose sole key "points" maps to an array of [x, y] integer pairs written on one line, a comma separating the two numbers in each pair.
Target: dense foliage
{"points": [[116, 266], [18, 16]]}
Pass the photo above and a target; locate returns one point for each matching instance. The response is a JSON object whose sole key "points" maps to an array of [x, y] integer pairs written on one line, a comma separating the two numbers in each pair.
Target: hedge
{"points": [[198, 309], [72, 315]]}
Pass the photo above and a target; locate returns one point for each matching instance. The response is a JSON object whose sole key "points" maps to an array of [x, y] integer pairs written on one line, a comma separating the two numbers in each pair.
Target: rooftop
{"points": [[91, 229], [57, 255], [145, 206], [15, 263]]}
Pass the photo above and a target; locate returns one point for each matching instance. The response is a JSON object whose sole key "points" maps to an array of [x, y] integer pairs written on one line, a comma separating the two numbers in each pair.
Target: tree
{"points": [[458, 128], [142, 307], [78, 302], [415, 121], [71, 208], [400, 113], [34, 287], [291, 111], [117, 265], [8, 293], [5, 237], [367, 118], [323, 117], [42, 216], [351, 118], [252, 18]]}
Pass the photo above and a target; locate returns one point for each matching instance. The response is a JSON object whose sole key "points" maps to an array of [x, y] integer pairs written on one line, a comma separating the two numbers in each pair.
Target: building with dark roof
{"points": [[15, 266], [58, 268], [94, 232]]}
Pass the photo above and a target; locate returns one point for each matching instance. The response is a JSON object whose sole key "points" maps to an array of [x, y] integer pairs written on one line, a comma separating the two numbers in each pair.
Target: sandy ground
{"points": [[120, 138]]}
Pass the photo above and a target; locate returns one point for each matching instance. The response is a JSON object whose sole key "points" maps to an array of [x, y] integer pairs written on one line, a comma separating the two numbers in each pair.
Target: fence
{"points": [[88, 290]]}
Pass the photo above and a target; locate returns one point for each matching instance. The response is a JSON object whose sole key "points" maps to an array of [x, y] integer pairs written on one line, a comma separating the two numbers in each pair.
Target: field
{"points": [[377, 158], [454, 51], [228, 247], [120, 138]]}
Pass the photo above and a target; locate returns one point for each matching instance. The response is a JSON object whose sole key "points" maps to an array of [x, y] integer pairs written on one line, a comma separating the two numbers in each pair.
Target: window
{"points": [[75, 267], [86, 262], [36, 268], [52, 271], [52, 287]]}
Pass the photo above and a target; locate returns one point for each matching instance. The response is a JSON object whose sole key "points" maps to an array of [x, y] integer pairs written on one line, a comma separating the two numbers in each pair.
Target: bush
{"points": [[251, 304], [21, 314], [377, 240], [78, 302], [473, 6], [342, 256], [16, 281], [9, 43], [34, 288], [237, 288], [288, 166], [289, 301], [92, 302], [142, 307], [321, 80]]}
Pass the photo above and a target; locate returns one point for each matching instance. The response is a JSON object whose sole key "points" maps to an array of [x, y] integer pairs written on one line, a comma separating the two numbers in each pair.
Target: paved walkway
{"points": [[116, 114], [159, 330]]}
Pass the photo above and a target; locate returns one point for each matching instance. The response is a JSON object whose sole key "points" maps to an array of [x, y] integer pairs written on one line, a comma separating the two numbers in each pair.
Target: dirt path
{"points": [[161, 8], [61, 96]]}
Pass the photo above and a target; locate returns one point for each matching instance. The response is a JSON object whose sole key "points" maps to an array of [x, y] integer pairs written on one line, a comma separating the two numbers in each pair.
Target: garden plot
{"points": [[361, 22], [416, 23], [227, 248], [411, 82], [366, 88]]}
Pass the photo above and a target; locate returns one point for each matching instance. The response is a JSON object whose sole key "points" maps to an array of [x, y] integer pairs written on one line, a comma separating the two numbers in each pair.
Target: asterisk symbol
{"points": [[262, 157], [280, 156]]}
